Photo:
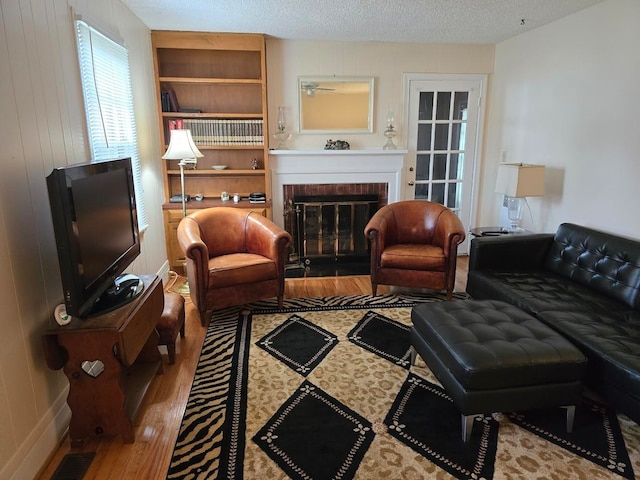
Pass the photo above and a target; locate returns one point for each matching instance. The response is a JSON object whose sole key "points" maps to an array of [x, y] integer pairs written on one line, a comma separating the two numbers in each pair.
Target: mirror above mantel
{"points": [[334, 105]]}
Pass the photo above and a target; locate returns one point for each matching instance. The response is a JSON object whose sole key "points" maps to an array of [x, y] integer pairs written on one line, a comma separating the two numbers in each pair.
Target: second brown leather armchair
{"points": [[234, 256], [414, 243]]}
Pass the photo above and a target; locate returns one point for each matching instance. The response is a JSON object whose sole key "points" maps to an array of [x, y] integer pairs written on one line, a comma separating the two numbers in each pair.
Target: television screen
{"points": [[103, 221], [95, 224]]}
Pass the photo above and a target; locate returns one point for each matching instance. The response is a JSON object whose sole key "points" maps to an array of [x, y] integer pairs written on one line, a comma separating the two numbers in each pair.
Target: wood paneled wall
{"points": [[42, 126]]}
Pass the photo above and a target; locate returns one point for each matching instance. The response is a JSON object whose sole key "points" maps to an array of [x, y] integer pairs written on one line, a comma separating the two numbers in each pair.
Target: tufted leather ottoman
{"points": [[171, 322], [492, 357]]}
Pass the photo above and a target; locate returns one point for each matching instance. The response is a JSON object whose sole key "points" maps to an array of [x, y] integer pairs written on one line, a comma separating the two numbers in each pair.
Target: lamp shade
{"points": [[181, 146], [520, 180]]}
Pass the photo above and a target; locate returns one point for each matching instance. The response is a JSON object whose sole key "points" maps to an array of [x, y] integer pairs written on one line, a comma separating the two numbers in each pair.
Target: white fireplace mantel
{"points": [[299, 167]]}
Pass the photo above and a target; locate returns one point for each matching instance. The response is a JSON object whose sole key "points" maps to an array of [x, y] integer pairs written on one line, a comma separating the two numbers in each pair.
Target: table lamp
{"points": [[518, 181], [181, 147]]}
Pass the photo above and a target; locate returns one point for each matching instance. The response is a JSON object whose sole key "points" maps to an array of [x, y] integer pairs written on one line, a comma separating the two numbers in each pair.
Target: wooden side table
{"points": [[110, 360], [495, 232]]}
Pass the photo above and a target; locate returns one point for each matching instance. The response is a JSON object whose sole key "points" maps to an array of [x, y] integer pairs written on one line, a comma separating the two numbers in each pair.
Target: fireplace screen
{"points": [[331, 227]]}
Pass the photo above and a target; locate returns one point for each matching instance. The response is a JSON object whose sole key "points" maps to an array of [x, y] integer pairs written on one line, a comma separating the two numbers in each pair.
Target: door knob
{"points": [[411, 183]]}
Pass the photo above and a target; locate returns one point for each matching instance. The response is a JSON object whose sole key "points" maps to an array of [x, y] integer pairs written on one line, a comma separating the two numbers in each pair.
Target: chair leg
{"points": [[171, 350], [204, 320], [280, 301], [571, 414], [467, 426], [374, 289], [414, 356], [449, 294], [182, 331]]}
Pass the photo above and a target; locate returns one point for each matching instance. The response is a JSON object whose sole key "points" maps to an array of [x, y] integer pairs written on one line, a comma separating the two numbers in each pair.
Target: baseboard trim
{"points": [[163, 271], [36, 451]]}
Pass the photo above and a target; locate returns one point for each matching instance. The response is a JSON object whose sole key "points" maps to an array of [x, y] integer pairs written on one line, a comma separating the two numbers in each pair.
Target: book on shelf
{"points": [[175, 124], [173, 101], [257, 197], [164, 100]]}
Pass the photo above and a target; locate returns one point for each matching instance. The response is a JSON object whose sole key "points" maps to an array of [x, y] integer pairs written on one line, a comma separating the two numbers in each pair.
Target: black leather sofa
{"points": [[583, 283]]}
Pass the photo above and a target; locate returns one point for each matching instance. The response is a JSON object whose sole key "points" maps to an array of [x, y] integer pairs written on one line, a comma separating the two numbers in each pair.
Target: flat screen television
{"points": [[93, 208]]}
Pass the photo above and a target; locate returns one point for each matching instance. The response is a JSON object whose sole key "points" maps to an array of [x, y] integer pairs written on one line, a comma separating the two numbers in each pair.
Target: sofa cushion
{"points": [[611, 342], [604, 262], [538, 291]]}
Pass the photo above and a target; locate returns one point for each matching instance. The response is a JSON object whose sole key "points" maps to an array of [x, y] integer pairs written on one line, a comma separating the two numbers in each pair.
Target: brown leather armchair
{"points": [[414, 243], [234, 256]]}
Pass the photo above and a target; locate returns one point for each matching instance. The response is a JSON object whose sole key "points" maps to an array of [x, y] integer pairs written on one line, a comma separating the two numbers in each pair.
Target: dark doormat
{"points": [[73, 466]]}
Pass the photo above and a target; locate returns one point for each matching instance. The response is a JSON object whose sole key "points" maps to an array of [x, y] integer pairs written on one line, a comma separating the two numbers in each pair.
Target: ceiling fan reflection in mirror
{"points": [[310, 88]]}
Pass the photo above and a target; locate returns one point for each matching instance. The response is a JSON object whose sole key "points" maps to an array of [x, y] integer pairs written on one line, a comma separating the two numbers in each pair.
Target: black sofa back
{"points": [[604, 262]]}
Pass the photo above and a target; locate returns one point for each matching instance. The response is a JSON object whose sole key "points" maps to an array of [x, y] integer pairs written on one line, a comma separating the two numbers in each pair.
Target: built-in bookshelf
{"points": [[213, 84]]}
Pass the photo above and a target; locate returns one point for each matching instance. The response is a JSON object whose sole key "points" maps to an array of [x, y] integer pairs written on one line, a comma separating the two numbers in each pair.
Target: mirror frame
{"points": [[324, 80]]}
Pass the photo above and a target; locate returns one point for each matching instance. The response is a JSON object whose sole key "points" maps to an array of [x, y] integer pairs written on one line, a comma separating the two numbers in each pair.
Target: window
{"points": [[108, 102]]}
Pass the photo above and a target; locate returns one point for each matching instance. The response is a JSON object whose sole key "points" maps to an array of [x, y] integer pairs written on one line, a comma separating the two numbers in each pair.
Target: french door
{"points": [[443, 135]]}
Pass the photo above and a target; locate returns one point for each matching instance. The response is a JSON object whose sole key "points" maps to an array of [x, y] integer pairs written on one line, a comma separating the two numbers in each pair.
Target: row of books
{"points": [[221, 131]]}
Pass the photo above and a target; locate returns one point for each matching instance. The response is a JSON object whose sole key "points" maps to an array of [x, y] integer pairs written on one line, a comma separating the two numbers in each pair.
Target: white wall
{"points": [[386, 62], [567, 96], [42, 126]]}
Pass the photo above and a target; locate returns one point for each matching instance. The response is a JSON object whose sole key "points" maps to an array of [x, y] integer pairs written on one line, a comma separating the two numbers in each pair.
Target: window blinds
{"points": [[108, 101]]}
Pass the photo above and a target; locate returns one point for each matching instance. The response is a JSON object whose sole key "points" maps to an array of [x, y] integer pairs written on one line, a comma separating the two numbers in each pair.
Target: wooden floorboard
{"points": [[158, 420]]}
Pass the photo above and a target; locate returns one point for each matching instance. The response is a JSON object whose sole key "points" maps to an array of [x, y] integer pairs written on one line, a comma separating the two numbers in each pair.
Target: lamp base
{"points": [[181, 289], [389, 133], [282, 138], [515, 210]]}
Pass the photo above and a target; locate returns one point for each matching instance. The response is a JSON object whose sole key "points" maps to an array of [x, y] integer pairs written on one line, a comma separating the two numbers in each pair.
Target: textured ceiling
{"points": [[426, 21]]}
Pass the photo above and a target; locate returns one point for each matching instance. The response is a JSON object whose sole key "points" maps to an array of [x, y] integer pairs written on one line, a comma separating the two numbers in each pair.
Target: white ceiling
{"points": [[424, 21]]}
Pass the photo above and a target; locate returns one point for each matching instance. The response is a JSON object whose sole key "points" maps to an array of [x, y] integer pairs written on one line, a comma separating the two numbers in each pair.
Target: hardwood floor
{"points": [[355, 285], [157, 421]]}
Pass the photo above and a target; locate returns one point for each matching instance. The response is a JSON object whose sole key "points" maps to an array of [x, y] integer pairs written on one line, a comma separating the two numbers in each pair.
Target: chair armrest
{"points": [[380, 230], [197, 257], [263, 237], [190, 241], [449, 233], [509, 252]]}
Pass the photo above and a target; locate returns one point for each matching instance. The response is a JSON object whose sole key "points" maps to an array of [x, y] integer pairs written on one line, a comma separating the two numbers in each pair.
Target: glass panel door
{"points": [[441, 142]]}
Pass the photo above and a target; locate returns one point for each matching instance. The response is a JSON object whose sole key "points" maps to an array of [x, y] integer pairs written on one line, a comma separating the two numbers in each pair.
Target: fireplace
{"points": [[328, 228], [324, 183]]}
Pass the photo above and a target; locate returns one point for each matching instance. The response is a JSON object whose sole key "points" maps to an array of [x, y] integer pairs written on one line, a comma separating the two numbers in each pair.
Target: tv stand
{"points": [[125, 288], [110, 360]]}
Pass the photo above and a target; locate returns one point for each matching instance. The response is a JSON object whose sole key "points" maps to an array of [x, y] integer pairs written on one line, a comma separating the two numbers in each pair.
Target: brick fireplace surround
{"points": [[330, 189]]}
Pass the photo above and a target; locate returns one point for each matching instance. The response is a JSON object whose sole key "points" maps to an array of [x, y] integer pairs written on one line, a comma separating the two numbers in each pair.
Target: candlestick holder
{"points": [[282, 135], [390, 132]]}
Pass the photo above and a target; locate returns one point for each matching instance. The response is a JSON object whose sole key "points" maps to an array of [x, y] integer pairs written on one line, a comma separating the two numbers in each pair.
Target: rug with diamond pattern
{"points": [[323, 389]]}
